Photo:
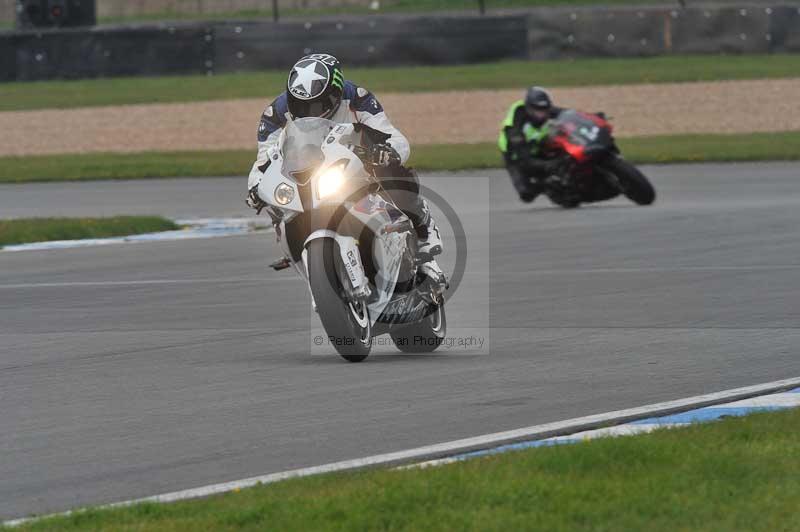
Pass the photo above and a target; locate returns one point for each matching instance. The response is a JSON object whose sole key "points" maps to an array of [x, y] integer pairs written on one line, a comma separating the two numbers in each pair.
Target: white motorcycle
{"points": [[342, 232]]}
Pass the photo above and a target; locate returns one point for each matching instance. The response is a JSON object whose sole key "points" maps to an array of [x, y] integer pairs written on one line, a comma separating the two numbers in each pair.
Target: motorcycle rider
{"points": [[523, 132], [316, 88]]}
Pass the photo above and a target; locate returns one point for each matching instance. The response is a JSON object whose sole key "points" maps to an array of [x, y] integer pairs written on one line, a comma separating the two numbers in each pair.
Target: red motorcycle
{"points": [[594, 169]]}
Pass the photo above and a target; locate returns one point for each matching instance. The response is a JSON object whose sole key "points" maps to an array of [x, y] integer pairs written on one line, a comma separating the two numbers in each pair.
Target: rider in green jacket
{"points": [[523, 132]]}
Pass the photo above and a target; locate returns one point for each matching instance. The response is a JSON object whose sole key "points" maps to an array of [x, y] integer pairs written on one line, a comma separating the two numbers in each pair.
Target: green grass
{"points": [[125, 166], [667, 149], [26, 230], [509, 75], [740, 474], [783, 146]]}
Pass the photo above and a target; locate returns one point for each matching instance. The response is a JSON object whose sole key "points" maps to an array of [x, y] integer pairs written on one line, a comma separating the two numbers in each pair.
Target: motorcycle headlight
{"points": [[330, 182], [284, 194]]}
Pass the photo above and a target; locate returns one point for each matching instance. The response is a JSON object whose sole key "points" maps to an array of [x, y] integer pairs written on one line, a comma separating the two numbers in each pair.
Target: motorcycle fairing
{"points": [[269, 182], [581, 135]]}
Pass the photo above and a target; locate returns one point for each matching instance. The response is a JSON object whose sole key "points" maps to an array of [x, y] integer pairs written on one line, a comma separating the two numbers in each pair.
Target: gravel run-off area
{"points": [[426, 118]]}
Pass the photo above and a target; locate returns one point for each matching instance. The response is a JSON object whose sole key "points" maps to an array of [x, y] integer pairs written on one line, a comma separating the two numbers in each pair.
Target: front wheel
{"points": [[424, 336], [632, 182], [346, 323]]}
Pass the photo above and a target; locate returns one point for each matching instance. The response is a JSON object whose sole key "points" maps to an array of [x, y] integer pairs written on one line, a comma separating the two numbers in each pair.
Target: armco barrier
{"points": [[735, 30], [556, 33], [8, 59], [784, 29], [111, 52], [547, 33], [631, 31], [377, 41]]}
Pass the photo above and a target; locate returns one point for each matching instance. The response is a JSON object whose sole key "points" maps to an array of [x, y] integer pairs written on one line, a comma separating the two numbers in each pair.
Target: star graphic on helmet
{"points": [[306, 76]]}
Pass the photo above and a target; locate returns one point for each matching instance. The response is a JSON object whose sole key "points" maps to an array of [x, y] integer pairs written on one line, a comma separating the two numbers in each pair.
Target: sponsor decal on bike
{"points": [[371, 204]]}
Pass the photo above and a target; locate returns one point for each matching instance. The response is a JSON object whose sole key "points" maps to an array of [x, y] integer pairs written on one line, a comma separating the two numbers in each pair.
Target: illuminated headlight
{"points": [[330, 182], [284, 194]]}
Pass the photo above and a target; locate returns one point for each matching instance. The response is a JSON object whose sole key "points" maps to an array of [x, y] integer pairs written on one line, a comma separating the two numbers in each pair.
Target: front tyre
{"points": [[424, 336], [632, 183], [346, 323]]}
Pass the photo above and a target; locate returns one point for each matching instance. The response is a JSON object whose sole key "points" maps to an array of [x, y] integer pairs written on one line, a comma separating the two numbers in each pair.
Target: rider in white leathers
{"points": [[317, 88]]}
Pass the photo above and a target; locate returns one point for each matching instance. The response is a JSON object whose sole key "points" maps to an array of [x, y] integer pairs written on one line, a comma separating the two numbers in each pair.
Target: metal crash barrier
{"points": [[545, 33]]}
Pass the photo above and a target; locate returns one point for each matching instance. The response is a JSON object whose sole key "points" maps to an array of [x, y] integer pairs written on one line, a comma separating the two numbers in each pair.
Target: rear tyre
{"points": [[632, 183], [424, 336], [346, 323]]}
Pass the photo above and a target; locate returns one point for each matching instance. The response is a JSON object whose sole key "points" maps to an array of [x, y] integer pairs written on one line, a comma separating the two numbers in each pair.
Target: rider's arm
{"points": [[511, 137], [269, 131], [369, 112]]}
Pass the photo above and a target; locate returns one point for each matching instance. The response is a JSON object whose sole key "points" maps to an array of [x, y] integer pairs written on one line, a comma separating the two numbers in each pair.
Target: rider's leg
{"points": [[527, 188], [403, 185]]}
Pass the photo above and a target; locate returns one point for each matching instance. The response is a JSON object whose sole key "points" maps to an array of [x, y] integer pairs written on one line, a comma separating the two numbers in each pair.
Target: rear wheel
{"points": [[424, 336], [632, 182], [346, 323]]}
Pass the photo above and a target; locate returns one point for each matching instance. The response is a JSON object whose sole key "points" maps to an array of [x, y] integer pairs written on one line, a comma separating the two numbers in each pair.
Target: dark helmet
{"points": [[315, 86], [538, 105], [538, 99]]}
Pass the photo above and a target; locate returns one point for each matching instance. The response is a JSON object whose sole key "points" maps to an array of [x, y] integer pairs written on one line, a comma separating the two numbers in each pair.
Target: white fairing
{"points": [[269, 181], [387, 252]]}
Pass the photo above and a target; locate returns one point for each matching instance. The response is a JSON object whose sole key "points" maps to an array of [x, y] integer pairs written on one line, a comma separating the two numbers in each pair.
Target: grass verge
{"points": [[87, 167], [782, 146], [27, 230], [502, 75], [737, 474], [665, 149]]}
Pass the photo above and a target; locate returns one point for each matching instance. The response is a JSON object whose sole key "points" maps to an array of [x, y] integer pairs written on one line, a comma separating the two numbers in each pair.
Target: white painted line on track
{"points": [[145, 282], [649, 269], [488, 441]]}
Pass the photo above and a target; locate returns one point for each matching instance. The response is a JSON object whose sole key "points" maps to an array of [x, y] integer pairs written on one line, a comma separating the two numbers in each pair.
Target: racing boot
{"points": [[433, 282], [429, 241]]}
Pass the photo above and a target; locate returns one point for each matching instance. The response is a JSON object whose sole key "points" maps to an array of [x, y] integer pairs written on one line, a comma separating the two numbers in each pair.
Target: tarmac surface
{"points": [[132, 370]]}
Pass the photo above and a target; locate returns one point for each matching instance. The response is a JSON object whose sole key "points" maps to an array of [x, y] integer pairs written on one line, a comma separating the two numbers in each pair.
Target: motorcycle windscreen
{"points": [[301, 147], [583, 133]]}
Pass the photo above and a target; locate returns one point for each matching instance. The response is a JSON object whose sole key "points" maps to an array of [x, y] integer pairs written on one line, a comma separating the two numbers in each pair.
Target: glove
{"points": [[383, 155], [519, 151], [254, 201]]}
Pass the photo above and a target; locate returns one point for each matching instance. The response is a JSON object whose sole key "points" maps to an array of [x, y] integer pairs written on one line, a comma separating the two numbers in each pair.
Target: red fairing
{"points": [[574, 150], [599, 122], [577, 151]]}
